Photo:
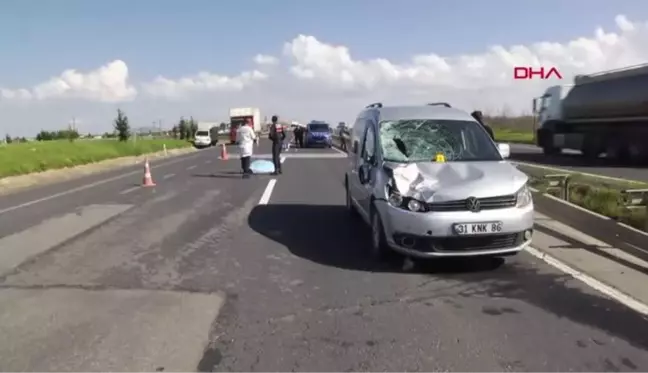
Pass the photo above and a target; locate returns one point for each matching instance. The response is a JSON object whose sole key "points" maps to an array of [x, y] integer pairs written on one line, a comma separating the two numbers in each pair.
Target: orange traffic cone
{"points": [[148, 179], [224, 156]]}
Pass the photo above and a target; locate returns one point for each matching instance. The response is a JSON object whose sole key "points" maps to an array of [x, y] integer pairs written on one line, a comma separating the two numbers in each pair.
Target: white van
{"points": [[202, 139]]}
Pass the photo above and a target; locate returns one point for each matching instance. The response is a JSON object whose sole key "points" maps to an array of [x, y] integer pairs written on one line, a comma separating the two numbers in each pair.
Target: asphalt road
{"points": [[573, 160], [116, 277]]}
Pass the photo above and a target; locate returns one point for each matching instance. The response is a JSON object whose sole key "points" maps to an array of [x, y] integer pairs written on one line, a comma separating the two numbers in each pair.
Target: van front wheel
{"points": [[379, 248]]}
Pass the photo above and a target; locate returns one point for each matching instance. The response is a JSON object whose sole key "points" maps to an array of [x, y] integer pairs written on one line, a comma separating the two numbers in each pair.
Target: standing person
{"points": [[479, 117], [277, 136], [299, 136], [246, 137]]}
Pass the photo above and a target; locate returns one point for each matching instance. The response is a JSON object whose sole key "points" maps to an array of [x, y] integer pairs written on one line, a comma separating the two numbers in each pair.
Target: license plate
{"points": [[464, 229]]}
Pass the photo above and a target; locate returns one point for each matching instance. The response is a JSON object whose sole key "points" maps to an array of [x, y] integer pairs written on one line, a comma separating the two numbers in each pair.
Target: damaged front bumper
{"points": [[432, 234]]}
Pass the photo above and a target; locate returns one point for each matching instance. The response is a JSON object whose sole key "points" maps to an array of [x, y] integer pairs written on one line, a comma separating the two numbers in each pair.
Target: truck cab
{"points": [[548, 110], [548, 106]]}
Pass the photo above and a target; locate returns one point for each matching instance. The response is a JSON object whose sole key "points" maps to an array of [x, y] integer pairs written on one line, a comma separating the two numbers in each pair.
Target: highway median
{"points": [[620, 200], [33, 157]]}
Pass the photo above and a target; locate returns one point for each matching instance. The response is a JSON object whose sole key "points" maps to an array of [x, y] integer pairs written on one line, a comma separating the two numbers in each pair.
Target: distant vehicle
{"points": [[203, 137], [318, 134], [430, 182], [599, 113], [238, 116]]}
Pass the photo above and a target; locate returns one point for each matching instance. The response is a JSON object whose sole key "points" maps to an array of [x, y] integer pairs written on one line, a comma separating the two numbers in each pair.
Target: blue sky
{"points": [[42, 38]]}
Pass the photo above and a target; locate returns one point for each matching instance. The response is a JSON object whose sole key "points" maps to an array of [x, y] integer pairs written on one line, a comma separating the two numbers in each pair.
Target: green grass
{"points": [[513, 136], [25, 158], [602, 196]]}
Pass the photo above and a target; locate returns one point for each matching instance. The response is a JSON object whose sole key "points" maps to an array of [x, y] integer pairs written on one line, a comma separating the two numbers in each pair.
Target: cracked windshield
{"points": [[323, 186], [421, 140]]}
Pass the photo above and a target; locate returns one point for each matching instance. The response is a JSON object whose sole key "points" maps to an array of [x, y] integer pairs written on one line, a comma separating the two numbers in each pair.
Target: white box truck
{"points": [[239, 116], [599, 113]]}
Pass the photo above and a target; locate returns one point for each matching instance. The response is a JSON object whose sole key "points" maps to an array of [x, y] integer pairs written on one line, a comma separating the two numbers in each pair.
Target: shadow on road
{"points": [[327, 235]]}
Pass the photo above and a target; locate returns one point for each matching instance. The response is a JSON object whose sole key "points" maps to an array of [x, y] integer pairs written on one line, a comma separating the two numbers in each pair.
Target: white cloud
{"points": [[264, 59], [326, 81], [109, 83], [477, 76], [201, 83]]}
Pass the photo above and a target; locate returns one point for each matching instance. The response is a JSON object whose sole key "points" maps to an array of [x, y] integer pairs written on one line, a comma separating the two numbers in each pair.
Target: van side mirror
{"points": [[504, 150], [355, 147]]}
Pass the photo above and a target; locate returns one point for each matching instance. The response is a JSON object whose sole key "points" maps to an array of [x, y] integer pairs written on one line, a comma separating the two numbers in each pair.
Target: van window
{"points": [[369, 144], [420, 140], [202, 133]]}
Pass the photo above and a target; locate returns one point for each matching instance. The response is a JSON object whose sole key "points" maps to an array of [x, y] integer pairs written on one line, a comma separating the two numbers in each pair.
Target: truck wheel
{"points": [[550, 150]]}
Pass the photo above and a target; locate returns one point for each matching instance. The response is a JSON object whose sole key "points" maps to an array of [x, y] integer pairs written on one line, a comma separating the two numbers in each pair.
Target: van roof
{"points": [[420, 112]]}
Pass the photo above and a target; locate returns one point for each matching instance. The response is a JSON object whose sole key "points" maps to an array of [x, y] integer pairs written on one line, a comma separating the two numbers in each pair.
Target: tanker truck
{"points": [[602, 113]]}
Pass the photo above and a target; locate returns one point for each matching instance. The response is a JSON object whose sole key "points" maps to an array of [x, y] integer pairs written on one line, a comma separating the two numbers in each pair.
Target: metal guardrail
{"points": [[633, 199], [559, 182]]}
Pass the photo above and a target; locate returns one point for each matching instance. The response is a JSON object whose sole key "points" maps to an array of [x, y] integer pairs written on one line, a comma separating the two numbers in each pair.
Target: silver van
{"points": [[431, 182]]}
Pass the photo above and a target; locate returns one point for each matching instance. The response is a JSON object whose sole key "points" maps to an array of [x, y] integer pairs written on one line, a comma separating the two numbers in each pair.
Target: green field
{"points": [[513, 136], [512, 129], [25, 158]]}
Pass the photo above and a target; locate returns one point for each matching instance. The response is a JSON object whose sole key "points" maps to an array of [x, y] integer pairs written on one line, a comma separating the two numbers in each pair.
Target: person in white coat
{"points": [[246, 138]]}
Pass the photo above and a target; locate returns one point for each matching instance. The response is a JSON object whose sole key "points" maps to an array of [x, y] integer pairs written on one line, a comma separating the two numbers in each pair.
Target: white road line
{"points": [[191, 167], [208, 162], [339, 151], [595, 284], [265, 197], [88, 186], [624, 225], [282, 159], [168, 176], [129, 190]]}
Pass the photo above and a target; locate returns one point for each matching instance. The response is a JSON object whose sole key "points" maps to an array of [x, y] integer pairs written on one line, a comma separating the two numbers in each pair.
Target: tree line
{"points": [[185, 129]]}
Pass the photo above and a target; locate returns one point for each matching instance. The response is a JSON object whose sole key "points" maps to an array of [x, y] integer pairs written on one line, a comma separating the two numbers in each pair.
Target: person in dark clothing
{"points": [[277, 136], [479, 117], [299, 136]]}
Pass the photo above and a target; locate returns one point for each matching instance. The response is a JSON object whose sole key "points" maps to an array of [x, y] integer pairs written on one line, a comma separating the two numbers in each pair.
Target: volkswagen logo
{"points": [[472, 204]]}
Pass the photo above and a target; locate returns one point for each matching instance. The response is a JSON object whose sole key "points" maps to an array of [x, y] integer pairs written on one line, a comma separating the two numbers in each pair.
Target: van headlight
{"points": [[406, 203], [524, 197]]}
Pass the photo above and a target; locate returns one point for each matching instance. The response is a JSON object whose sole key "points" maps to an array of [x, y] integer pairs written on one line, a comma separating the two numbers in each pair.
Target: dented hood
{"points": [[438, 182]]}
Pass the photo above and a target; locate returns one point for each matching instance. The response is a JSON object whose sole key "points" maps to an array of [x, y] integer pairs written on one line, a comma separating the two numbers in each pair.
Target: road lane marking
{"points": [[129, 190], [91, 185], [265, 197], [624, 225], [191, 167], [595, 284], [340, 151], [282, 159], [208, 162], [168, 176]]}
